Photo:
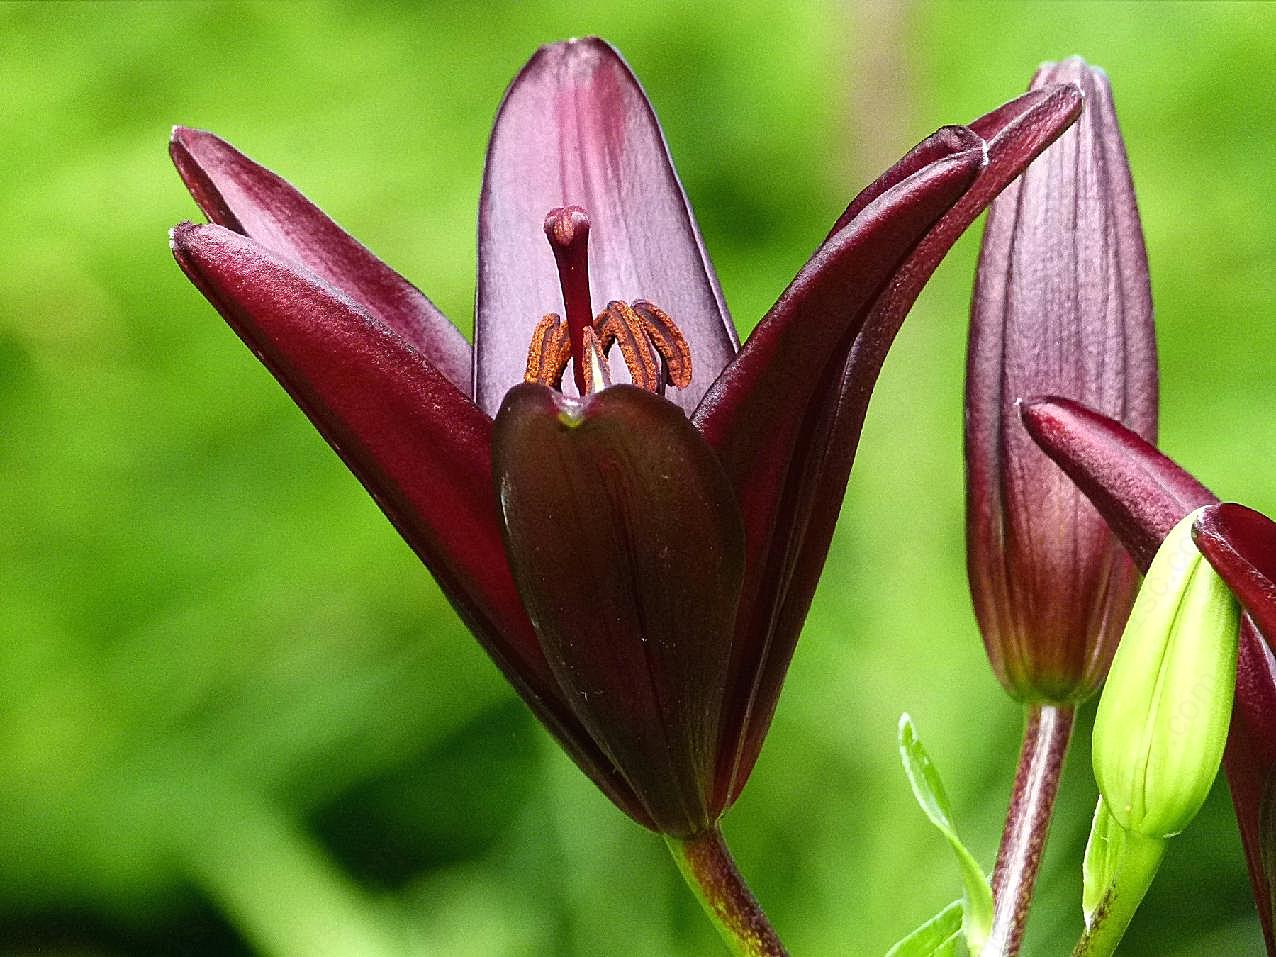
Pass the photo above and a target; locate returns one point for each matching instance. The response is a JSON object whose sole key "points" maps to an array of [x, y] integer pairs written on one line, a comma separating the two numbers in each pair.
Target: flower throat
{"points": [[653, 347]]}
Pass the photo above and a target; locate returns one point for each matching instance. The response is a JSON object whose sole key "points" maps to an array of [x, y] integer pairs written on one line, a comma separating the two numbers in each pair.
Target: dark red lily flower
{"points": [[639, 576], [1063, 306], [1142, 494]]}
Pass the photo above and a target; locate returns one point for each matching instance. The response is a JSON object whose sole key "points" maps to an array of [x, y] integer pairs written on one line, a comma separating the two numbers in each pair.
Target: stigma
{"points": [[653, 348]]}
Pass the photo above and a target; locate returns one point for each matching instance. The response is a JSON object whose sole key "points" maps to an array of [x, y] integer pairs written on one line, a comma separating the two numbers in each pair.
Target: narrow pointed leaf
{"points": [[241, 195], [576, 129], [628, 550], [418, 445], [1241, 544], [1101, 861], [929, 791], [938, 937]]}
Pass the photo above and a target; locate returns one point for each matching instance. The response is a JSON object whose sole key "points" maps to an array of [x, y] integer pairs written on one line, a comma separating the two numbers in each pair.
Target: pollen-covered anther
{"points": [[620, 324], [668, 341], [653, 347], [549, 352]]}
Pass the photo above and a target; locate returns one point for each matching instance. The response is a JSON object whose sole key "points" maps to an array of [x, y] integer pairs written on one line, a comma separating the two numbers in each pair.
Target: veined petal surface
{"points": [[235, 192], [1138, 490], [576, 129], [628, 550], [1062, 305]]}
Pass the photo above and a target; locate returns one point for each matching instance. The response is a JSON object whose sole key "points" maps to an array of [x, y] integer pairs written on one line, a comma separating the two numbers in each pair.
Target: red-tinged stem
{"points": [[710, 872], [1023, 840]]}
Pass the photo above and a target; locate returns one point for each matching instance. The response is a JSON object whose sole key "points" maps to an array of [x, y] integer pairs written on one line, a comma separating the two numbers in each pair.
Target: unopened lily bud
{"points": [[1062, 306], [1163, 717]]}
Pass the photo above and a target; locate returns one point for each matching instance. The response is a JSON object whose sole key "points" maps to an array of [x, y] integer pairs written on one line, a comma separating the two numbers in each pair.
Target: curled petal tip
{"points": [[244, 196], [1140, 492], [184, 234], [1241, 545]]}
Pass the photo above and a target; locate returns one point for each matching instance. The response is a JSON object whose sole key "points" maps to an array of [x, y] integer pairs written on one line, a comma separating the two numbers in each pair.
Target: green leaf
{"points": [[928, 789], [1102, 858], [938, 937]]}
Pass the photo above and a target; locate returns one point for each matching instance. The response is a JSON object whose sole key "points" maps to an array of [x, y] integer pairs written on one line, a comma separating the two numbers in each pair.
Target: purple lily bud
{"points": [[648, 618], [1062, 305]]}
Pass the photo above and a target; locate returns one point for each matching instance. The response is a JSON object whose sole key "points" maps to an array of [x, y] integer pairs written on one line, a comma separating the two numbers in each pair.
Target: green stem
{"points": [[1047, 732], [711, 874], [1140, 858]]}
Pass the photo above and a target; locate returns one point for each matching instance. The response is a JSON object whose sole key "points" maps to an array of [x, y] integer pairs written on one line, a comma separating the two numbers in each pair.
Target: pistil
{"points": [[567, 229]]}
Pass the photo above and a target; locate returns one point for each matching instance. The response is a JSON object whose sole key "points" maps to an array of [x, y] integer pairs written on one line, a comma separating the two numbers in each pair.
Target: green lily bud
{"points": [[1163, 717]]}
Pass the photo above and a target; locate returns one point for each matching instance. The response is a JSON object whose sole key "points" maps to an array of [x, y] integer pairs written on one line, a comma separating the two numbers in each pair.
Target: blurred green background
{"points": [[236, 716]]}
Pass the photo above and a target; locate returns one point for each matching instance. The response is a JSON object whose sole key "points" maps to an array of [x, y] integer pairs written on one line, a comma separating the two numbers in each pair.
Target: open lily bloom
{"points": [[637, 559], [1143, 494]]}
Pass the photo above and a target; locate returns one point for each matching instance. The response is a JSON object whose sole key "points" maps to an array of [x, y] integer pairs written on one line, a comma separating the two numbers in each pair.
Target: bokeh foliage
{"points": [[235, 714]]}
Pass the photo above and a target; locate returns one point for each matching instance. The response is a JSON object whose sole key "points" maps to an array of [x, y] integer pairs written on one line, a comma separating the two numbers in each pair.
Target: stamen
{"points": [[567, 229], [597, 374], [619, 323], [667, 339], [655, 351], [549, 352]]}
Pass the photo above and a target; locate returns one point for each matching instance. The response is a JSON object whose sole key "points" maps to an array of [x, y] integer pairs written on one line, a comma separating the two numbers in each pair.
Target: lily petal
{"points": [[1250, 763], [759, 414], [1139, 491], [1016, 134], [835, 415], [1143, 494], [576, 129], [628, 549], [237, 193], [1241, 545], [416, 443]]}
